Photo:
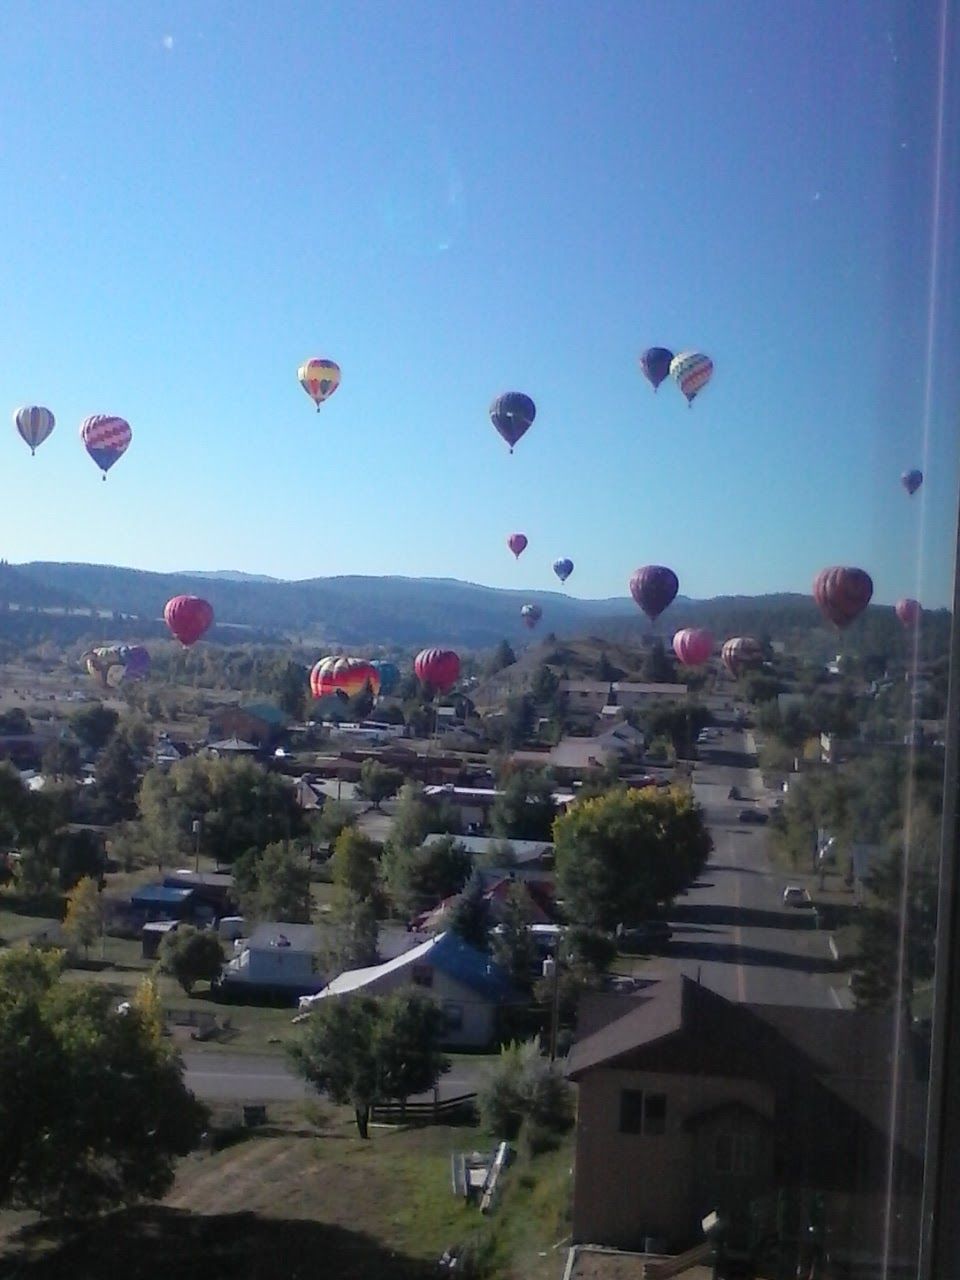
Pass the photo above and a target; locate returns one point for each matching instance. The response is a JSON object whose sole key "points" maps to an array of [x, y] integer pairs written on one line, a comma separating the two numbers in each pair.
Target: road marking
{"points": [[836, 998]]}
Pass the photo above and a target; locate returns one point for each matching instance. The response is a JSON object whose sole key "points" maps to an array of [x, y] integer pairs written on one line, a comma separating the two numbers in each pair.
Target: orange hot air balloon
{"points": [[345, 677]]}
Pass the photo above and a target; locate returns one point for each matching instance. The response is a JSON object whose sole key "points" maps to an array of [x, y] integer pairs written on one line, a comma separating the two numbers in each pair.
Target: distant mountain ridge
{"points": [[405, 612]]}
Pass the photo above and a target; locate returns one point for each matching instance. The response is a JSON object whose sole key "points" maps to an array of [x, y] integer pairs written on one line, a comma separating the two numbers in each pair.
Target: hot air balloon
{"points": [[842, 593], [345, 677], [741, 652], [691, 371], [908, 611], [653, 588], [693, 646], [188, 617], [437, 667], [34, 423], [531, 615], [517, 542], [655, 363], [563, 569], [912, 480], [511, 414], [106, 439], [138, 663], [319, 379], [389, 674]]}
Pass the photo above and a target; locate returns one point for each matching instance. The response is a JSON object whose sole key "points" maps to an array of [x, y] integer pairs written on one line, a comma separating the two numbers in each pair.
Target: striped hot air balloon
{"points": [[531, 615], [693, 646], [842, 593], [106, 439], [437, 667], [34, 424], [343, 676], [691, 371], [319, 379]]}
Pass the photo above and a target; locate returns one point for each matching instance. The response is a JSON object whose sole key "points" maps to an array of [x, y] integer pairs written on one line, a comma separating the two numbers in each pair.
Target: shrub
{"points": [[524, 1088]]}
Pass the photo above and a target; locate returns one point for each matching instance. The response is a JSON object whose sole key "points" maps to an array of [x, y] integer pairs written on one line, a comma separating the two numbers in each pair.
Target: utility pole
{"points": [[195, 828], [551, 969]]}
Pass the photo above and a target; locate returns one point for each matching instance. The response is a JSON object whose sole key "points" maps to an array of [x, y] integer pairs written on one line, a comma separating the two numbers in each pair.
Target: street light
{"points": [[195, 828]]}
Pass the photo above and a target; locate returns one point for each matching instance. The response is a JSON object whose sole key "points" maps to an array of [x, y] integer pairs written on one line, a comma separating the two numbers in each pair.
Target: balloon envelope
{"points": [[389, 674], [517, 542], [912, 480], [693, 646], [319, 379], [653, 587], [691, 371], [106, 439], [563, 569], [531, 614], [842, 593], [655, 363], [188, 617], [34, 424], [345, 676], [740, 652], [512, 414], [908, 611], [437, 667]]}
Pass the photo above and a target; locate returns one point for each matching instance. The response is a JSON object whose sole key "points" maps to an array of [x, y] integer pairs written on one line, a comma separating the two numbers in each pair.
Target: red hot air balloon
{"points": [[842, 593], [908, 611], [188, 617], [655, 364], [517, 543], [740, 652], [693, 646], [106, 439], [531, 615], [346, 676], [437, 667], [653, 588], [511, 414]]}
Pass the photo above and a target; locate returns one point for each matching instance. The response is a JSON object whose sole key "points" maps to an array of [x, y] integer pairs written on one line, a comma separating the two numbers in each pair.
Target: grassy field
{"points": [[290, 1204]]}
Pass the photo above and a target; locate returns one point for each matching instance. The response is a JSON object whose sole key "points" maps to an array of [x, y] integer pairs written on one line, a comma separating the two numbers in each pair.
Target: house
{"points": [[538, 900], [701, 1104], [278, 957], [213, 888], [586, 699], [466, 984], [474, 803], [524, 853], [167, 902], [167, 751], [259, 724]]}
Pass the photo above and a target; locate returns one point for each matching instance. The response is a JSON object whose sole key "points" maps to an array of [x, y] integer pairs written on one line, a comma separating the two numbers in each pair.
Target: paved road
{"points": [[223, 1077], [732, 928]]}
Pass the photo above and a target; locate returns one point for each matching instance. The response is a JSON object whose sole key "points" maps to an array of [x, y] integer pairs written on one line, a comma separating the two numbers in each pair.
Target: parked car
{"points": [[796, 896], [752, 815], [650, 935]]}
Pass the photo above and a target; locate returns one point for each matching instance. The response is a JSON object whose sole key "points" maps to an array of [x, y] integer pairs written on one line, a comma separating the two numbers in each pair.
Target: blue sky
{"points": [[456, 200]]}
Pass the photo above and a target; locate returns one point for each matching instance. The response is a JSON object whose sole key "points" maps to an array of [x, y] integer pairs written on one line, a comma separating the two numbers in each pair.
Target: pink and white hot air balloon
{"points": [[908, 611], [693, 646]]}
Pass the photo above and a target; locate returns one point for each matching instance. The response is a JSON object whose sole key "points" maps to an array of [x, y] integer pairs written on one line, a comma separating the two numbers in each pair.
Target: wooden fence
{"points": [[436, 1109]]}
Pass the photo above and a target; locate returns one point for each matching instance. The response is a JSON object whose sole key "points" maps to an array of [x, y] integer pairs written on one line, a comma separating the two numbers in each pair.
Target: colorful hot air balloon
{"points": [[691, 371], [912, 480], [34, 423], [389, 674], [693, 646], [531, 615], [739, 653], [138, 663], [345, 677], [563, 569], [106, 439], [517, 543], [655, 363], [908, 611], [188, 617], [437, 667], [842, 593], [319, 379], [512, 414], [653, 588]]}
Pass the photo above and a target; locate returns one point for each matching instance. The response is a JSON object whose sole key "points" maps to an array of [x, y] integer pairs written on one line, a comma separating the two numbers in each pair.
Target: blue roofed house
{"points": [[259, 724], [467, 985], [170, 902]]}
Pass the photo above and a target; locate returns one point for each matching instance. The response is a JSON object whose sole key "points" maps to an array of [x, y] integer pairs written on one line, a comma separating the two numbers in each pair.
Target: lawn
{"points": [[290, 1203]]}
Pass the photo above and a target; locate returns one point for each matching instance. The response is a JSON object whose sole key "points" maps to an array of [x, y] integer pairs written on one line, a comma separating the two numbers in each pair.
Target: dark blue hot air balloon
{"points": [[563, 568], [511, 414]]}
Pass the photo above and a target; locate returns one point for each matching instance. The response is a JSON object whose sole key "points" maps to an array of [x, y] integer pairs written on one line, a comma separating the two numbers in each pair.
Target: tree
{"points": [[356, 863], [363, 1050], [94, 725], [355, 933], [15, 721], [657, 667], [118, 779], [469, 916], [545, 684], [512, 944], [191, 955], [93, 1110], [619, 856], [523, 1087], [378, 782], [415, 879], [413, 819], [526, 809], [78, 854], [291, 689], [83, 922], [503, 656], [326, 825], [275, 884], [60, 759]]}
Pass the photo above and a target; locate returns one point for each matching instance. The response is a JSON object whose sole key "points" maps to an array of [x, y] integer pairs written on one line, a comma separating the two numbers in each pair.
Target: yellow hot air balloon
{"points": [[319, 379]]}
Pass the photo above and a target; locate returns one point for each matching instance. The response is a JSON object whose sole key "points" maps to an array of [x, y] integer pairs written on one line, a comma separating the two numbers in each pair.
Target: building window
{"points": [[642, 1112], [734, 1153], [422, 975], [453, 1014]]}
